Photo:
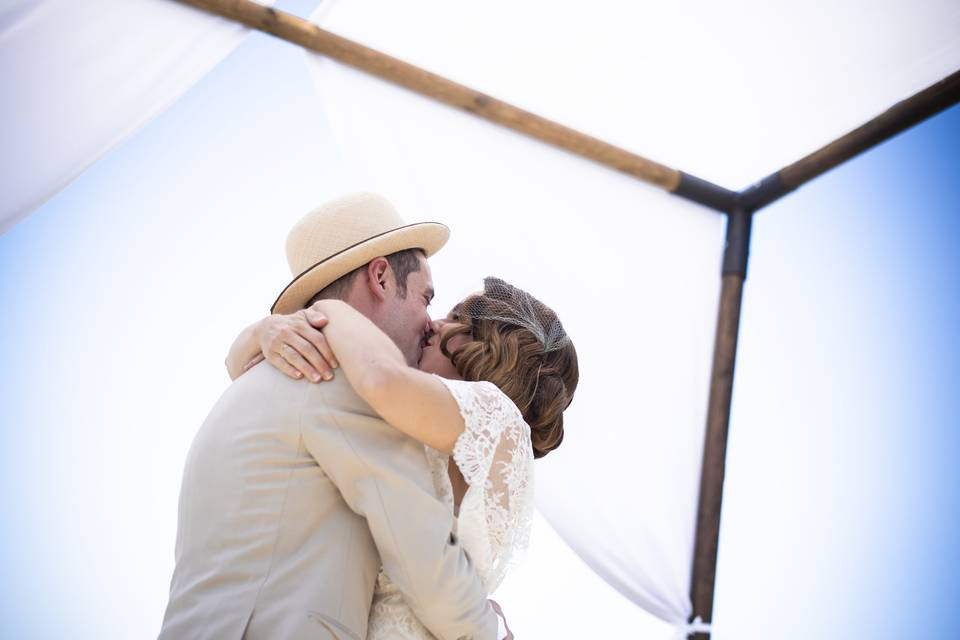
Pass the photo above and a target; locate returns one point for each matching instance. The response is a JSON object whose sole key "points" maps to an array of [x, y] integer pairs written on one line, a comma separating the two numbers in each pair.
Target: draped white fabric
{"points": [[79, 77], [622, 489], [729, 91]]}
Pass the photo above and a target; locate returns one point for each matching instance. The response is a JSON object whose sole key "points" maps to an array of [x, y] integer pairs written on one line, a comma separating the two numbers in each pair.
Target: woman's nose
{"points": [[435, 326]]}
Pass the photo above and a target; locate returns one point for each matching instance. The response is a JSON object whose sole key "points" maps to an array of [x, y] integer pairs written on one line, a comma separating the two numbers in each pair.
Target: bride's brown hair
{"points": [[538, 372]]}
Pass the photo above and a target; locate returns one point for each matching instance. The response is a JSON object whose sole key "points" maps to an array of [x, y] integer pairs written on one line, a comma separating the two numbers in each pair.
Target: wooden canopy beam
{"points": [[901, 116], [309, 36]]}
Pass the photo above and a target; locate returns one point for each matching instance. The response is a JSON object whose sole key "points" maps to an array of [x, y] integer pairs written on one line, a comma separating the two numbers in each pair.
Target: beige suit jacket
{"points": [[293, 495]]}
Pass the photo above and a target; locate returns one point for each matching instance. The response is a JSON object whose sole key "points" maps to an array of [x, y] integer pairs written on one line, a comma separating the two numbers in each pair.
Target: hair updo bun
{"points": [[541, 382]]}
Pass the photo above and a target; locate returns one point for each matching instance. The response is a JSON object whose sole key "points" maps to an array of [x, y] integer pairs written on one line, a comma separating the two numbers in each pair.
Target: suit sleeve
{"points": [[383, 476]]}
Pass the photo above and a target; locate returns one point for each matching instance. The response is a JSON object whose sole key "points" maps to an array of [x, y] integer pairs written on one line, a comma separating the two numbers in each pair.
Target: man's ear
{"points": [[378, 271]]}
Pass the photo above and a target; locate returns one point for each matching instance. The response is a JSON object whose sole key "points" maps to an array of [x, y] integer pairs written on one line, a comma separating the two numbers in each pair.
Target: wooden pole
{"points": [[901, 116], [897, 118], [310, 36], [715, 451], [713, 466]]}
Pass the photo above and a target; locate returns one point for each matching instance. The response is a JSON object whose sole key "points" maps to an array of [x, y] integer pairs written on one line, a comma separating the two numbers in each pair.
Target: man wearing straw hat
{"points": [[295, 494]]}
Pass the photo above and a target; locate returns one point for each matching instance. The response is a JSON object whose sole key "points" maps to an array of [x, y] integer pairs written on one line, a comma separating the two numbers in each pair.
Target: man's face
{"points": [[406, 320]]}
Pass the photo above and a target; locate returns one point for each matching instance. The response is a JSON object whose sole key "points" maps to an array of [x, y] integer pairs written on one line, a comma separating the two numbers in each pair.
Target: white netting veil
{"points": [[506, 303]]}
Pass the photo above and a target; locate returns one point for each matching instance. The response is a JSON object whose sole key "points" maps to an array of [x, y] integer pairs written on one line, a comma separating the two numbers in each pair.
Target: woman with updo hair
{"points": [[518, 344], [486, 398]]}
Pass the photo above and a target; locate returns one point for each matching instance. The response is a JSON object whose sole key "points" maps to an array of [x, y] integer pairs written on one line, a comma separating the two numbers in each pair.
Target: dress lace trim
{"points": [[495, 456]]}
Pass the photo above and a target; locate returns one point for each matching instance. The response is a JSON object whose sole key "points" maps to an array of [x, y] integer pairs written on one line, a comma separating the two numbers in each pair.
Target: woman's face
{"points": [[433, 360]]}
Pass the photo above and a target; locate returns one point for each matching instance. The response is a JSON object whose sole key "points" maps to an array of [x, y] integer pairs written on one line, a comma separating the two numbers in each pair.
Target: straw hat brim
{"points": [[428, 236]]}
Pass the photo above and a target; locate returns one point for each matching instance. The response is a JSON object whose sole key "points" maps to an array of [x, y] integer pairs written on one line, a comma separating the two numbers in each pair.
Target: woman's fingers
{"points": [[318, 340], [295, 362], [316, 320], [294, 344], [309, 352], [285, 367]]}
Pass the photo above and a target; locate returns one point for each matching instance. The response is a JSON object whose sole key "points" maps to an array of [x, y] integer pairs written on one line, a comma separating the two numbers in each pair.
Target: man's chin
{"points": [[414, 359]]}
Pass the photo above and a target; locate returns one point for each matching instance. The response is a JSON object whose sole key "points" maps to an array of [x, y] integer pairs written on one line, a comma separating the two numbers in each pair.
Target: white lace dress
{"points": [[495, 457]]}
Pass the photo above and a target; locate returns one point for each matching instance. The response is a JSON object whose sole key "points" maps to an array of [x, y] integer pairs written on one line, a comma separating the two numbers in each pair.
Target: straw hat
{"points": [[344, 234]]}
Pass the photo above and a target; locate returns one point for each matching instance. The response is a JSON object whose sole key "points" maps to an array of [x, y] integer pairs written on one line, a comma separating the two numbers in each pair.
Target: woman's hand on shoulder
{"points": [[295, 344]]}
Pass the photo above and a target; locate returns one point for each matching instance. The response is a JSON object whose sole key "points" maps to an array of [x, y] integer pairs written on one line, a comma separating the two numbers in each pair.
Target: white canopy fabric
{"points": [[781, 81], [682, 83], [79, 77]]}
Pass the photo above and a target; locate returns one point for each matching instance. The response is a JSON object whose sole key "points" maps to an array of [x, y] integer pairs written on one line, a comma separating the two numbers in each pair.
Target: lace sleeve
{"points": [[495, 456]]}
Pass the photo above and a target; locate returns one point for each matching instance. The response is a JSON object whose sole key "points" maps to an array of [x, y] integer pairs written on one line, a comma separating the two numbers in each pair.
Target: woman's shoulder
{"points": [[482, 394]]}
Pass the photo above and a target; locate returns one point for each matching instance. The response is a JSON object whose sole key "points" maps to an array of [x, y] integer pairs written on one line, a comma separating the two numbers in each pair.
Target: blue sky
{"points": [[842, 504], [843, 508]]}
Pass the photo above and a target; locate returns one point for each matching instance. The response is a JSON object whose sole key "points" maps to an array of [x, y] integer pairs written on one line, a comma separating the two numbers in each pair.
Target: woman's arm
{"points": [[292, 343], [414, 402], [244, 352]]}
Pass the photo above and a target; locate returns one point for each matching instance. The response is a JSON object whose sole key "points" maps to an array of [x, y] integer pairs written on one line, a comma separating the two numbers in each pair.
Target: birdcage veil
{"points": [[503, 302]]}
